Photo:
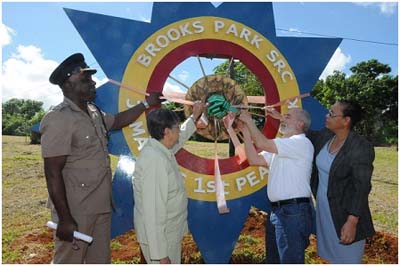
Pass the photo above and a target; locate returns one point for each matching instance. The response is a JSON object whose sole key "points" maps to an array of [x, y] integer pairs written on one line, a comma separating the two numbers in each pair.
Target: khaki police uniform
{"points": [[68, 131]]}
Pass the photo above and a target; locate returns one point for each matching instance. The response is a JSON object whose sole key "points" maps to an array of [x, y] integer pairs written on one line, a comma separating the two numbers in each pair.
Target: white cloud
{"points": [[6, 34], [168, 87], [183, 76], [338, 62], [386, 8], [25, 75], [174, 91]]}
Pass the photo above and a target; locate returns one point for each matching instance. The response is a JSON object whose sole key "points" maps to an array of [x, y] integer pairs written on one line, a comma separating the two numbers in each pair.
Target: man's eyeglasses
{"points": [[331, 114], [176, 126]]}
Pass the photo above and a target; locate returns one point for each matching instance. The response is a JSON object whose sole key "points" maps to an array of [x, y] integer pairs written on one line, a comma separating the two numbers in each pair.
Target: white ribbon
{"points": [[219, 185]]}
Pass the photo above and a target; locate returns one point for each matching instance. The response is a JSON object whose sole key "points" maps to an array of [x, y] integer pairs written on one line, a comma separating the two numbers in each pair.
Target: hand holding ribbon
{"points": [[219, 107]]}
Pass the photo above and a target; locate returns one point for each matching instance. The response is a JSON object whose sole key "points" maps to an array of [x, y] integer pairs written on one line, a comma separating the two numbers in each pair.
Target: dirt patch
{"points": [[255, 224], [381, 248], [126, 249], [37, 247], [34, 248]]}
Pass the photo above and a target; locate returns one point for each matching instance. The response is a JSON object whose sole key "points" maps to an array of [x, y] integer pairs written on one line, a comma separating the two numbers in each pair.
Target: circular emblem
{"points": [[160, 53]]}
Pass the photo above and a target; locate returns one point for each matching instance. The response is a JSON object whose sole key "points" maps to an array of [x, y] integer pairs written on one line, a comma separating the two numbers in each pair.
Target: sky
{"points": [[36, 37]]}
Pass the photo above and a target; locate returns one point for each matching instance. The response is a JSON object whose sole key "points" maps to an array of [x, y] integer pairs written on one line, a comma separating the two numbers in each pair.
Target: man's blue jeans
{"points": [[292, 224], [270, 243]]}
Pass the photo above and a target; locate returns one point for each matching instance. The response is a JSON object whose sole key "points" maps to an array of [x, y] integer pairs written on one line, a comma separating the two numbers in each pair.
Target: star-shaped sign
{"points": [[144, 53]]}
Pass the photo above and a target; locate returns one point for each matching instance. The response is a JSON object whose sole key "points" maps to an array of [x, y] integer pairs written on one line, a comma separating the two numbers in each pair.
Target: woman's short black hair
{"points": [[352, 110], [160, 119]]}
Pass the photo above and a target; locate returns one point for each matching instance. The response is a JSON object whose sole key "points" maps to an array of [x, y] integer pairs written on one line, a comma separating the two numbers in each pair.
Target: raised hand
{"points": [[154, 98], [273, 113], [245, 116], [198, 109]]}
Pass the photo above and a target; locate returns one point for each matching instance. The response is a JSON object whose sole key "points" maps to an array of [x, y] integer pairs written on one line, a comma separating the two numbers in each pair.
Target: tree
{"points": [[247, 81], [19, 115], [374, 89], [14, 125], [243, 76]]}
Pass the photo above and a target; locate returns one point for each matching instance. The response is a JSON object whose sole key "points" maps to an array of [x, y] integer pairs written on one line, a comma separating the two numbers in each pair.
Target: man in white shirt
{"points": [[290, 163]]}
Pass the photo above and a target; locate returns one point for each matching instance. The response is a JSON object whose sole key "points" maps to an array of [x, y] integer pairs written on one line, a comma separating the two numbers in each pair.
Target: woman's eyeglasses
{"points": [[331, 114]]}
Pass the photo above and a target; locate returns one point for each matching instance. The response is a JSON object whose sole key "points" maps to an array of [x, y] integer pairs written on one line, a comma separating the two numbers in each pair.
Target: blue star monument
{"points": [[142, 54]]}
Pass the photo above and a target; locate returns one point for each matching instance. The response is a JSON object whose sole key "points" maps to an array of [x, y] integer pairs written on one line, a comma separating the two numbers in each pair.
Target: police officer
{"points": [[77, 164]]}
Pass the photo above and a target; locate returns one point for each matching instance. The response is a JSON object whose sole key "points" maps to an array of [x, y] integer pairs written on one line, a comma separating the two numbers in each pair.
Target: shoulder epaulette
{"points": [[58, 107]]}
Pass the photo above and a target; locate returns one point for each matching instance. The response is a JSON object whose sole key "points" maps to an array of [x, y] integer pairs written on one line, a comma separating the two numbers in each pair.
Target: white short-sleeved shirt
{"points": [[290, 169]]}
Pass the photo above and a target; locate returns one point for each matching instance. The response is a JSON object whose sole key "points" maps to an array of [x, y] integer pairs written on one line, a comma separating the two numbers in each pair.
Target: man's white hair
{"points": [[303, 116]]}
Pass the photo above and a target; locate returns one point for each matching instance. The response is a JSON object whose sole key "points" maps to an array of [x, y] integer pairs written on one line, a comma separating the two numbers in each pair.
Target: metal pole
{"points": [[231, 71]]}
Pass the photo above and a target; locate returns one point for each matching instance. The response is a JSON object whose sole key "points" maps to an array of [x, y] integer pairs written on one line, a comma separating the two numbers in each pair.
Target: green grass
{"points": [[246, 254], [133, 261], [9, 237], [10, 256], [206, 149], [309, 257], [24, 193], [247, 240], [384, 194], [115, 245], [195, 258]]}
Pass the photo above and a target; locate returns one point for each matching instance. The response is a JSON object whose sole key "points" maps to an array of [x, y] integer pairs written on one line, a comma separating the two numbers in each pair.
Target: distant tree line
{"points": [[19, 115]]}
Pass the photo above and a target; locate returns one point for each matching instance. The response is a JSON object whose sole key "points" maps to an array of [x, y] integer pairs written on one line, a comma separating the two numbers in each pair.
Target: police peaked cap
{"points": [[75, 62]]}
